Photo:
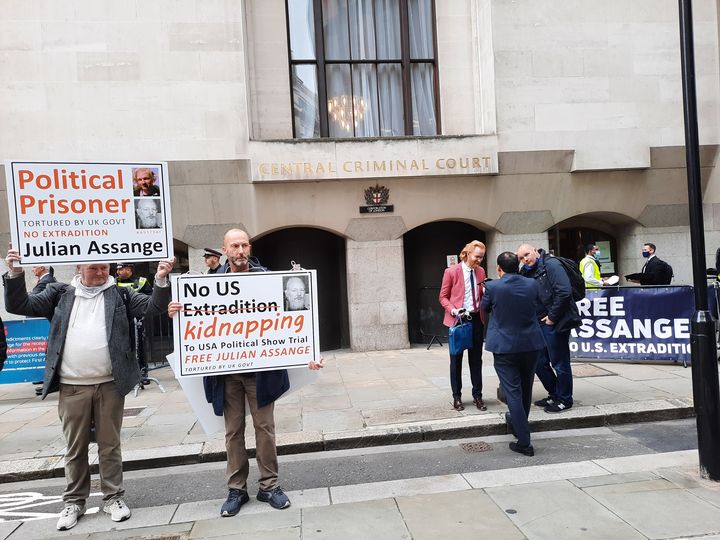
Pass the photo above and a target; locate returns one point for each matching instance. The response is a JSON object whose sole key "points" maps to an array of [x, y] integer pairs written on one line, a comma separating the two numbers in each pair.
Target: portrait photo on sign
{"points": [[296, 295], [148, 214], [146, 182]]}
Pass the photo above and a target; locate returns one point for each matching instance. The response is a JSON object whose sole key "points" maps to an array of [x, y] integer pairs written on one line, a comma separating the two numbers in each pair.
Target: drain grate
{"points": [[475, 447], [132, 411]]}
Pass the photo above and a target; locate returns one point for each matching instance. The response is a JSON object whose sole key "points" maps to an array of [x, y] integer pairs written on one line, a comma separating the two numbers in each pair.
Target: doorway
{"points": [[427, 249], [314, 249]]}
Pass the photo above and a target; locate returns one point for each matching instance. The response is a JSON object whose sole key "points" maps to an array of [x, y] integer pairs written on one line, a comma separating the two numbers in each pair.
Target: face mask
{"points": [[646, 254], [527, 268], [597, 254]]}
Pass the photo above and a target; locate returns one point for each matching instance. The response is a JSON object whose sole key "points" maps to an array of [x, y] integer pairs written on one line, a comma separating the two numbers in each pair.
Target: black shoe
{"points": [[508, 421], [544, 402], [524, 450], [557, 407], [235, 499], [275, 498]]}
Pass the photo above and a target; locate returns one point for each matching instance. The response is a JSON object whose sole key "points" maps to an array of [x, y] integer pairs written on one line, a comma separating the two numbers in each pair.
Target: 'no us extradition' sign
{"points": [[70, 213], [250, 321]]}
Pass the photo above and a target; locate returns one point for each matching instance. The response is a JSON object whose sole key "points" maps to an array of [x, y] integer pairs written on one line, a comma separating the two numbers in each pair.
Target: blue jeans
{"points": [[553, 368], [474, 361], [516, 372]]}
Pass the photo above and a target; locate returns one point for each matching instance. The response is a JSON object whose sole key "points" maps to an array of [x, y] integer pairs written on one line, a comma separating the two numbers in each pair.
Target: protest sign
{"points": [[195, 393], [26, 346], [634, 323], [248, 321], [70, 213]]}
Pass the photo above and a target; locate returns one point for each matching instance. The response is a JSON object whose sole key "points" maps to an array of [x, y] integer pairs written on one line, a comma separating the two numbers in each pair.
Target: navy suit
{"points": [[515, 339]]}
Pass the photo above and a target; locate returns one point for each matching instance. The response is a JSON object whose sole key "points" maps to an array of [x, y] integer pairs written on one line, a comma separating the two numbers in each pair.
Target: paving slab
{"points": [[377, 520], [649, 462], [659, 509], [396, 488], [469, 514], [533, 474], [95, 521], [160, 532], [7, 528], [559, 510], [218, 527]]}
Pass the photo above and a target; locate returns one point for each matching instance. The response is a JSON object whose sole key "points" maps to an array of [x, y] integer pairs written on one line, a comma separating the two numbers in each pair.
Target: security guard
{"points": [[590, 268]]}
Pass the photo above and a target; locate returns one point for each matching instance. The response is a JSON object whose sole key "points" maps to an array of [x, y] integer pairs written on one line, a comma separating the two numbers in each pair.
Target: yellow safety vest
{"points": [[134, 285], [596, 272]]}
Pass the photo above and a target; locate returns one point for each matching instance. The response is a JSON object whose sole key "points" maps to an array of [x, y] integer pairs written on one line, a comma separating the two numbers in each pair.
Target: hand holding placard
{"points": [[13, 256]]}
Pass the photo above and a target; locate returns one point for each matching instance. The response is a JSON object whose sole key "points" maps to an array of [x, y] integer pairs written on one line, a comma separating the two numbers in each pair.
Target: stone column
{"points": [[376, 284]]}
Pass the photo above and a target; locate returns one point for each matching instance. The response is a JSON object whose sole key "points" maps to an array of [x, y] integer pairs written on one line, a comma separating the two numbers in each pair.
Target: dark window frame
{"points": [[405, 63]]}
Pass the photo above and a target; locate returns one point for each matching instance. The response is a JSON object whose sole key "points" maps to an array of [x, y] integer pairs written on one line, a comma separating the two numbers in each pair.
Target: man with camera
{"points": [[460, 297]]}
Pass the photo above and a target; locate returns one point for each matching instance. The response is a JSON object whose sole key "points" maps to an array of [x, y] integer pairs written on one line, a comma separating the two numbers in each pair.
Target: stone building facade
{"points": [[554, 122]]}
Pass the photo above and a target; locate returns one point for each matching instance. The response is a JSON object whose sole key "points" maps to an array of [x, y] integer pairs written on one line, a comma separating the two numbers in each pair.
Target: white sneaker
{"points": [[69, 516], [118, 510]]}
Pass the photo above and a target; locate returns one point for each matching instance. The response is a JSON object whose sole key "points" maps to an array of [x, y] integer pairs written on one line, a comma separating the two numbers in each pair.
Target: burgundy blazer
{"points": [[452, 291]]}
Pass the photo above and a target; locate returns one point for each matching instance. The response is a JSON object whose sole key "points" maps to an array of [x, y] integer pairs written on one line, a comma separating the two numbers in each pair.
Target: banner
{"points": [[648, 323], [71, 213], [249, 321], [26, 346]]}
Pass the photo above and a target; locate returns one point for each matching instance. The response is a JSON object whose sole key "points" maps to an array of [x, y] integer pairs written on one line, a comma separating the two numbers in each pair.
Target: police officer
{"points": [[126, 278], [212, 261]]}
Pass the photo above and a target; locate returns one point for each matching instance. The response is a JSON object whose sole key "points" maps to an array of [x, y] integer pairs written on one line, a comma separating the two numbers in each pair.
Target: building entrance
{"points": [[319, 250], [427, 248]]}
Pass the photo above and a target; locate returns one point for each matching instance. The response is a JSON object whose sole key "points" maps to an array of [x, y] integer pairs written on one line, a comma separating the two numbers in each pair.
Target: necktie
{"points": [[472, 287]]}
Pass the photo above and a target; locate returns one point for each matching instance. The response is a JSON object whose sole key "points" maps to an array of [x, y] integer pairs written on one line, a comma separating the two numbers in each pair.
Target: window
{"points": [[363, 68]]}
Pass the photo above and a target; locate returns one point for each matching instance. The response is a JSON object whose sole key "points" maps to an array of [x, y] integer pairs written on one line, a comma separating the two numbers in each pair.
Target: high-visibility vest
{"points": [[596, 271], [136, 284]]}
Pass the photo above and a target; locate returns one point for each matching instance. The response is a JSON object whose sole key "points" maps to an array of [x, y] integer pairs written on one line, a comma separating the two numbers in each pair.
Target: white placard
{"points": [[70, 213], [246, 322], [195, 394]]}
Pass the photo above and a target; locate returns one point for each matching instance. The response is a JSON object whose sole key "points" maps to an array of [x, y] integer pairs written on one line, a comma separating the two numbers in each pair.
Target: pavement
{"points": [[377, 398], [654, 496], [360, 399]]}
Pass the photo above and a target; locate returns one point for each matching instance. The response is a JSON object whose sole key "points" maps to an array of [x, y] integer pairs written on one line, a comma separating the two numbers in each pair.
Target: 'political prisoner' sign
{"points": [[69, 213], [648, 323], [249, 321]]}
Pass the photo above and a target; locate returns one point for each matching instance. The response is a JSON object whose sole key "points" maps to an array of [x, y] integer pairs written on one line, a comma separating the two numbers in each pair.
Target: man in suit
{"points": [[653, 271], [461, 295], [89, 362], [45, 276], [515, 339]]}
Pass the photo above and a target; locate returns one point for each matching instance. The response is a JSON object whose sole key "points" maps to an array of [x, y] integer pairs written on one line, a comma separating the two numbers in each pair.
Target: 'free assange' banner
{"points": [[648, 323]]}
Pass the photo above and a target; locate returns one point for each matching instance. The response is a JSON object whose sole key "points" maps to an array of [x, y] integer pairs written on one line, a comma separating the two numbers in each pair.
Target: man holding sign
{"points": [[228, 394], [89, 363]]}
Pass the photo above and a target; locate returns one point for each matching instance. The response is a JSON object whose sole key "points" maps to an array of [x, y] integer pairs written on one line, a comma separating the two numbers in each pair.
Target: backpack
{"points": [[577, 282], [666, 273]]}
